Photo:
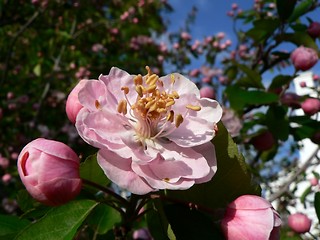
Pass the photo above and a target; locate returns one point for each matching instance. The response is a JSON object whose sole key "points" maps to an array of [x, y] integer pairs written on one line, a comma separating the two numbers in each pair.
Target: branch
{"points": [[285, 187]]}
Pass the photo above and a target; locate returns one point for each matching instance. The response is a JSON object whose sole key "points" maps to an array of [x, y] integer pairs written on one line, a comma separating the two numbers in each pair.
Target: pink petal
{"points": [[247, 224], [119, 171], [250, 202]]}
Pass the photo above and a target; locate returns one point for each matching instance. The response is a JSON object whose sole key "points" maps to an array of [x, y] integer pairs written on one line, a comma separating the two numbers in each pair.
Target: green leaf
{"points": [[11, 225], [277, 122], [157, 221], [305, 194], [285, 8], [252, 79], [306, 127], [190, 224], [299, 10], [103, 218], [317, 204], [240, 98], [90, 170], [231, 180], [263, 28], [60, 222], [279, 81], [299, 38]]}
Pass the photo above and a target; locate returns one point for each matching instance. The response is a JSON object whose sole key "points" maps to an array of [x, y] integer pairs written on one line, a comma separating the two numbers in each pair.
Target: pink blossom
{"points": [[50, 171], [314, 29], [231, 121], [73, 105], [311, 106], [220, 35], [291, 99], [252, 218], [314, 181], [6, 178], [4, 162], [304, 58], [194, 72], [315, 77], [207, 92], [303, 84], [152, 132], [299, 223], [185, 36]]}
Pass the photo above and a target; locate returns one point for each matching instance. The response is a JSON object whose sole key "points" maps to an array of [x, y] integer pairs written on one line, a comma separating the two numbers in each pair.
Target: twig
{"points": [[286, 186]]}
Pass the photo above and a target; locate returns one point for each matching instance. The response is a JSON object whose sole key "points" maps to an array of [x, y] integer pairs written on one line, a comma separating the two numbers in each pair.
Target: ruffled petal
{"points": [[119, 171]]}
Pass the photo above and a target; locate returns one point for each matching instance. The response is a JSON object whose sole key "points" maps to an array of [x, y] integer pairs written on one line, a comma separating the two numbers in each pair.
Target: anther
{"points": [[152, 79], [166, 179], [172, 79], [179, 120], [149, 70], [151, 88], [125, 89], [170, 103], [194, 108], [122, 107], [175, 95], [138, 80], [170, 116], [139, 90], [97, 104]]}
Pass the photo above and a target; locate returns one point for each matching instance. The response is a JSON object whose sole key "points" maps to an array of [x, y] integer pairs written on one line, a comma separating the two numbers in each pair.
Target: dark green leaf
{"points": [[240, 98], [231, 72], [252, 79], [263, 28], [285, 8], [231, 180], [277, 122], [317, 204], [299, 27], [60, 222], [190, 224], [103, 218], [157, 222], [11, 225], [299, 38], [299, 10], [90, 170], [280, 81]]}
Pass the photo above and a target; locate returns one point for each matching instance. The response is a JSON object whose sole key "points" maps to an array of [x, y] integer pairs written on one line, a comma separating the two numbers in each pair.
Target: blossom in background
{"points": [[50, 171], [231, 122], [299, 223], [304, 58], [310, 106], [152, 132], [251, 217]]}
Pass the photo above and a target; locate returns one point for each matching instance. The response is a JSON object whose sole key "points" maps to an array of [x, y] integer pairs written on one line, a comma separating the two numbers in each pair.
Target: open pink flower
{"points": [[252, 218], [153, 132]]}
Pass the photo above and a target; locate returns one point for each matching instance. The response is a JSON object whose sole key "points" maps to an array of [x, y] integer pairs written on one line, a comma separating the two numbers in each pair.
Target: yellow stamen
{"points": [[175, 95], [139, 90], [170, 116], [192, 107], [97, 104], [149, 70], [179, 120], [172, 78], [122, 107], [151, 88], [125, 89], [152, 79], [170, 103], [138, 80]]}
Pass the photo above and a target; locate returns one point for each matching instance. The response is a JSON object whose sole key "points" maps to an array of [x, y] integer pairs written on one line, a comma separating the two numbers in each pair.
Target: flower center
{"points": [[151, 112]]}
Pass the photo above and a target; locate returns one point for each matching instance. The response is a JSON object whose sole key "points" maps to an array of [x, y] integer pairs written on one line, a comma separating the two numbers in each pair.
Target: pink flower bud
{"points": [[304, 58], [73, 105], [50, 171], [303, 84], [311, 106], [207, 92], [314, 181], [264, 141], [185, 36], [142, 234], [251, 217], [314, 30], [299, 223]]}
